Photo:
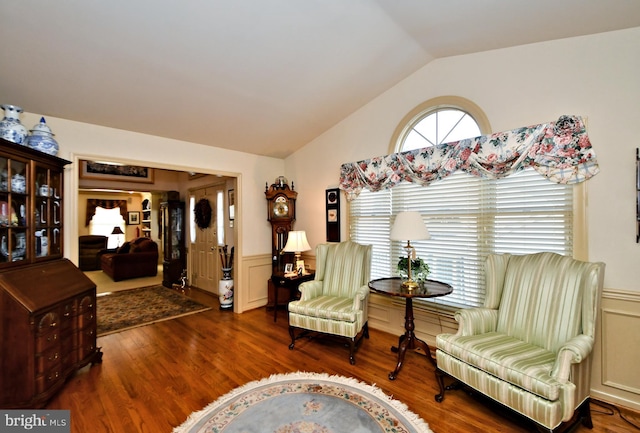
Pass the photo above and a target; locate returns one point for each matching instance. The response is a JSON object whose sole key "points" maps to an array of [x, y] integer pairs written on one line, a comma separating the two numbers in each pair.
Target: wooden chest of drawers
{"points": [[47, 330]]}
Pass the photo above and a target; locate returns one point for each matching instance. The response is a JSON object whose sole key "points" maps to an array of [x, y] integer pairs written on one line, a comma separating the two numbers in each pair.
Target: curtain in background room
{"points": [[93, 203]]}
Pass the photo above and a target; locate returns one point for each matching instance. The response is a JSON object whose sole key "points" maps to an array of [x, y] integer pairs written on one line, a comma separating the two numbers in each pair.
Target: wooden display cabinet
{"points": [[173, 233], [30, 206], [47, 305]]}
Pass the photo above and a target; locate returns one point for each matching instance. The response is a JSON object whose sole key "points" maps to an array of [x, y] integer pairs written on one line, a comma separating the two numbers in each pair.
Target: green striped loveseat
{"points": [[529, 347], [336, 301]]}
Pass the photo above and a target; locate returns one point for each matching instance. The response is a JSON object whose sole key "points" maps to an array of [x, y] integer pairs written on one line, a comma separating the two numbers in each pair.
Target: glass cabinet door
{"points": [[47, 212], [173, 227], [31, 211], [13, 210], [174, 247], [176, 232]]}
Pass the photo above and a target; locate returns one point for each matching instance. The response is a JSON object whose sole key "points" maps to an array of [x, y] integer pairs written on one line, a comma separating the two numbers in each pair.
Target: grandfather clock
{"points": [[281, 213]]}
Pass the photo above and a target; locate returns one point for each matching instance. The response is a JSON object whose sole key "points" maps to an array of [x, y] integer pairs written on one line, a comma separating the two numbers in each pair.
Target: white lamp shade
{"points": [[409, 226], [296, 242]]}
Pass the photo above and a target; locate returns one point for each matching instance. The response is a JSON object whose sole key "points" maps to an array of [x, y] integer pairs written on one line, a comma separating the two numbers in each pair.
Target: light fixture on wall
{"points": [[117, 231], [409, 226]]}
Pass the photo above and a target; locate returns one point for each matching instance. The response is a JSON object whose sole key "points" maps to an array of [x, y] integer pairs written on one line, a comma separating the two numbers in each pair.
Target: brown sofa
{"points": [[136, 258], [90, 247]]}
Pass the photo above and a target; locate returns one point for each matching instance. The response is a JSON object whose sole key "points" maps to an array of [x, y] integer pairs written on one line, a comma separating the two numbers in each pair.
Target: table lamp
{"points": [[117, 231], [409, 226], [296, 243]]}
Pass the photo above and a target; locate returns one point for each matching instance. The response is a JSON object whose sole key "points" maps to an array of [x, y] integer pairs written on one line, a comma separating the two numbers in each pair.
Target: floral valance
{"points": [[560, 151], [93, 203]]}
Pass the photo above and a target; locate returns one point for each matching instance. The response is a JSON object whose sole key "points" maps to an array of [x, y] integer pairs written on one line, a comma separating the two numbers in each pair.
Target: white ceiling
{"points": [[258, 76]]}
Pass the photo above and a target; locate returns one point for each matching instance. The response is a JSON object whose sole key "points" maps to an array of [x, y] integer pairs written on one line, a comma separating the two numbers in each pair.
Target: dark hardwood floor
{"points": [[153, 377]]}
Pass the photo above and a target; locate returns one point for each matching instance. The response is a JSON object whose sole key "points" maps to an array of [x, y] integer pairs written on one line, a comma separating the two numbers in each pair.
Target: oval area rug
{"points": [[305, 403]]}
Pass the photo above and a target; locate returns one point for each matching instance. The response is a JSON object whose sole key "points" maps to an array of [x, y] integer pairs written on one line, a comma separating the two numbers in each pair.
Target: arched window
{"points": [[439, 120], [468, 217]]}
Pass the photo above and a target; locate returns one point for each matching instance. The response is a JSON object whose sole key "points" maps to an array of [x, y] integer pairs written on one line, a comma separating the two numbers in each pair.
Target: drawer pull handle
{"points": [[54, 376], [53, 324], [53, 337], [54, 357]]}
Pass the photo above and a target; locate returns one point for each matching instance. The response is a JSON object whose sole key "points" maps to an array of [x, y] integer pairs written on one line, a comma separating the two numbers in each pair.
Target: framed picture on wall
{"points": [[332, 216], [117, 172], [133, 218]]}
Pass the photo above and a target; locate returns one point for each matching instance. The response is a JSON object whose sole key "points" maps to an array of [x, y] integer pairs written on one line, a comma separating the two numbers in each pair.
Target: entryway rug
{"points": [[131, 308], [305, 403]]}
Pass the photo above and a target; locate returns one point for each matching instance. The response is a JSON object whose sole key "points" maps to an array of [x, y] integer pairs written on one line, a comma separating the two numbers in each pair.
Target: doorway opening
{"points": [[202, 266]]}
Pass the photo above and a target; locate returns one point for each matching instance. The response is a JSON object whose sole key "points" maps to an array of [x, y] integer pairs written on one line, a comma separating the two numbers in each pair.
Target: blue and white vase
{"points": [[10, 127], [41, 138], [225, 290]]}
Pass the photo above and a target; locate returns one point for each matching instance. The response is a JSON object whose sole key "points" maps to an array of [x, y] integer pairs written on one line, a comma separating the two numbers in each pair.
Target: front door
{"points": [[205, 261]]}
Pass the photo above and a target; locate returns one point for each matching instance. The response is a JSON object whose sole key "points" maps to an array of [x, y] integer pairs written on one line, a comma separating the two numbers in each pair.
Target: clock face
{"points": [[281, 207]]}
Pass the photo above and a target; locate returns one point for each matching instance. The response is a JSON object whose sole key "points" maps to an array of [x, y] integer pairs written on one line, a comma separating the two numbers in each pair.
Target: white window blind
{"points": [[468, 218]]}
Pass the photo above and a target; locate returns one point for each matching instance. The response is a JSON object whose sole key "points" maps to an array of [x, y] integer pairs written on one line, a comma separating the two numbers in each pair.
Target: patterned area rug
{"points": [[305, 403], [128, 309]]}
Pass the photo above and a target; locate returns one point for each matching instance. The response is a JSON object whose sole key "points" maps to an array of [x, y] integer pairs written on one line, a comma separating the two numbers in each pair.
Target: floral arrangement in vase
{"points": [[419, 269]]}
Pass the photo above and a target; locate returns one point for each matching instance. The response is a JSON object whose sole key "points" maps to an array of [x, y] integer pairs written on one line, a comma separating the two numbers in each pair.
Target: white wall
{"points": [[593, 76]]}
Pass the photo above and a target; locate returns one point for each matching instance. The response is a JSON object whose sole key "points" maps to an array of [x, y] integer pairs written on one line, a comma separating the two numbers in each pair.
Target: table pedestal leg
{"points": [[408, 340]]}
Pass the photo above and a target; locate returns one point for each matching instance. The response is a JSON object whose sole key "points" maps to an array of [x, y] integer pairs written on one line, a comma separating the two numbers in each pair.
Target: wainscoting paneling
{"points": [[379, 311], [616, 372], [616, 377], [257, 271]]}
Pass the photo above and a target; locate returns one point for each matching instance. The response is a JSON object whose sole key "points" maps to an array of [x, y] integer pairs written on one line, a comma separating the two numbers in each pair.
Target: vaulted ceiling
{"points": [[258, 76]]}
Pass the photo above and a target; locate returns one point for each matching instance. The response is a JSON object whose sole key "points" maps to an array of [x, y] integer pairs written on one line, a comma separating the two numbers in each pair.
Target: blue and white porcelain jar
{"points": [[41, 138], [10, 127]]}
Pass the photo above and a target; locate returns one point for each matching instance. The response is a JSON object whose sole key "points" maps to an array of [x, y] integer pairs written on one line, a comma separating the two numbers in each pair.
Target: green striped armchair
{"points": [[530, 346], [336, 301]]}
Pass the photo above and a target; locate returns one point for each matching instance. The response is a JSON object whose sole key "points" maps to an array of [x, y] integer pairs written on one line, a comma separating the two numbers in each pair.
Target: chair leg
{"points": [[293, 337], [440, 380], [585, 413], [352, 350], [354, 342]]}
